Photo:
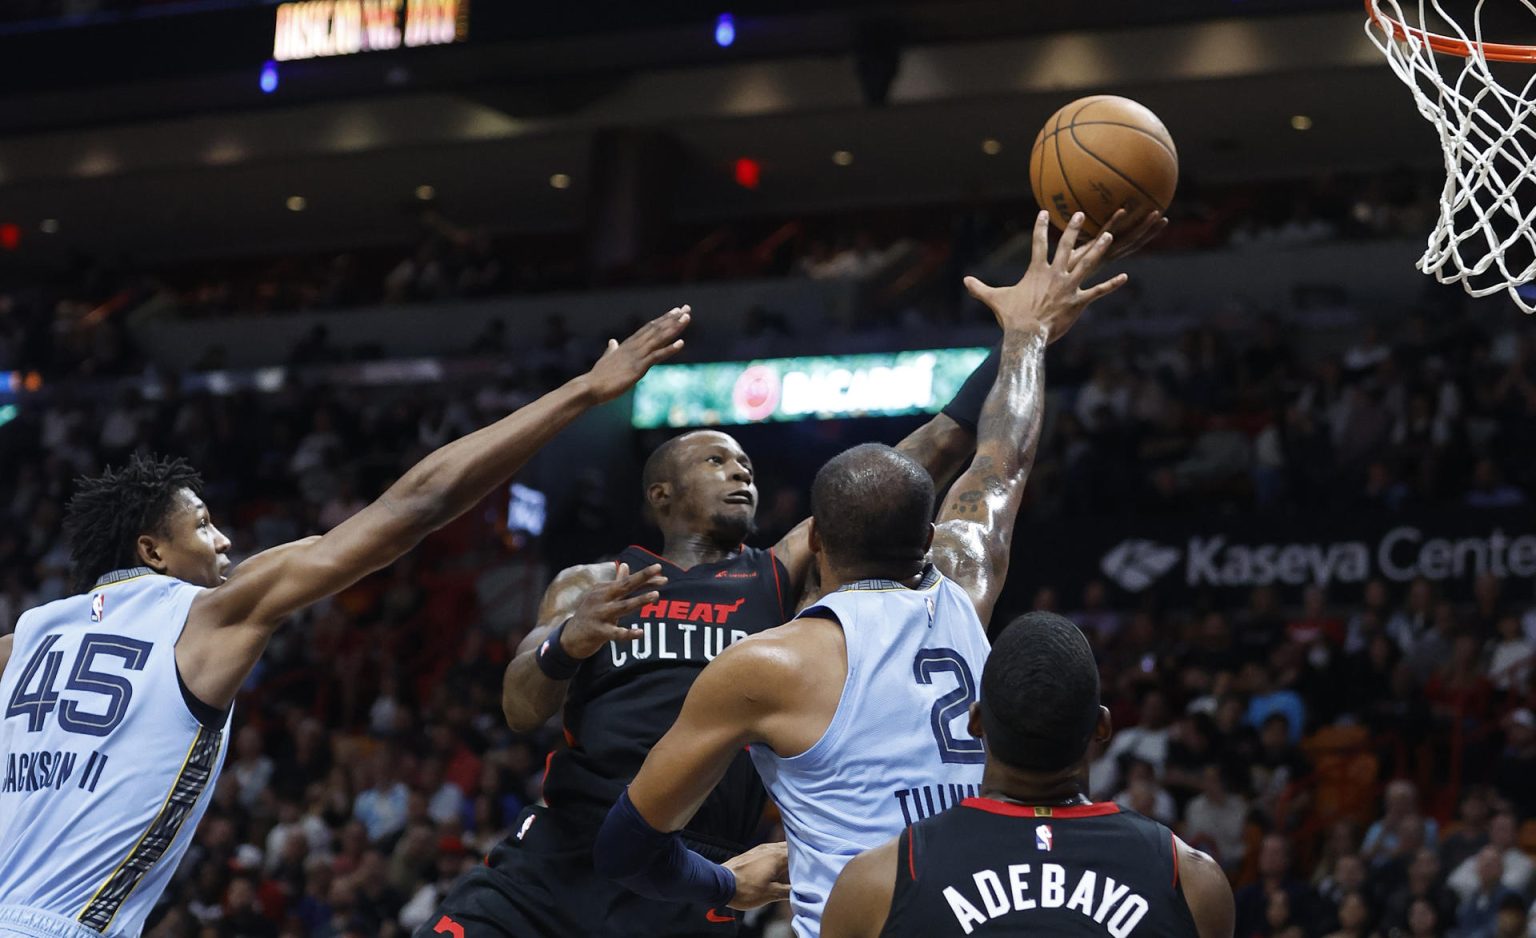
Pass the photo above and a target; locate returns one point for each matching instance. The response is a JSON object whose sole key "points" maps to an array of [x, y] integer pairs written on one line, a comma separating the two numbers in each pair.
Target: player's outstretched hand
{"points": [[624, 364], [1050, 295], [1130, 241], [596, 622], [762, 875]]}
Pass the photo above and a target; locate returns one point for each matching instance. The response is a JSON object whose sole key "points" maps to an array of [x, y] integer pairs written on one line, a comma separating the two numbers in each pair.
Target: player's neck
{"points": [[689, 548], [1005, 783], [842, 576]]}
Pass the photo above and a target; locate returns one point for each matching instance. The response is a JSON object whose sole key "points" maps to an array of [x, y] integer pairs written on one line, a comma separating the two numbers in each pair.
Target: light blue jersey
{"points": [[898, 749], [106, 769]]}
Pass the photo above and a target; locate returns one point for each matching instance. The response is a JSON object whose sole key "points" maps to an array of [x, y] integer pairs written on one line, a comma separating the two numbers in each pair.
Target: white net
{"points": [[1486, 235]]}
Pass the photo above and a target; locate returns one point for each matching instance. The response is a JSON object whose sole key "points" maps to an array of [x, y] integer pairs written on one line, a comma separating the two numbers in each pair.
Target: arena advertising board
{"points": [[810, 388], [311, 29], [1177, 559]]}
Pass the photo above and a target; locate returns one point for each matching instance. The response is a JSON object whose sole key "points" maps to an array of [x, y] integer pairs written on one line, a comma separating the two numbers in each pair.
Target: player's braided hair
{"points": [[107, 513]]}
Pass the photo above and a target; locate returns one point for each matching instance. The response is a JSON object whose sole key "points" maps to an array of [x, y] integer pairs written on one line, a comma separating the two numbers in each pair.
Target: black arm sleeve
{"points": [[965, 409]]}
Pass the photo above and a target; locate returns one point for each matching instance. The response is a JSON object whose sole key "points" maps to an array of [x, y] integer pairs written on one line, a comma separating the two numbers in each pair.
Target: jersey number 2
{"points": [[43, 671], [929, 663]]}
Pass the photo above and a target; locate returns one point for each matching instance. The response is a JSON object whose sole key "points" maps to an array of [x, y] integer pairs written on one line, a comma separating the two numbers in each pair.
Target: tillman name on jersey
{"points": [[686, 631]]}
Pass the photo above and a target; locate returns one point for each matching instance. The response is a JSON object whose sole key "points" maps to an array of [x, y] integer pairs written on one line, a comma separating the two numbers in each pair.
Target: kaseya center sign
{"points": [[312, 29], [1177, 558]]}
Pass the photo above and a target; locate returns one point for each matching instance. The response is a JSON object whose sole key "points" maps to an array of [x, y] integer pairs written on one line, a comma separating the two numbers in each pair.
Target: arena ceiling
{"points": [[217, 179]]}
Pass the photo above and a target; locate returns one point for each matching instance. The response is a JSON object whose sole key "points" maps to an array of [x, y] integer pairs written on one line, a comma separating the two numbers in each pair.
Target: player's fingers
{"points": [[633, 581], [664, 353], [619, 633], [1094, 256], [778, 892], [1068, 241], [1104, 289], [979, 290], [1041, 251], [624, 606]]}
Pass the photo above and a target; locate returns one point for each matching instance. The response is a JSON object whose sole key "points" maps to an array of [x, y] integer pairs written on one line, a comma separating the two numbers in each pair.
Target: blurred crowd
{"points": [[909, 261]]}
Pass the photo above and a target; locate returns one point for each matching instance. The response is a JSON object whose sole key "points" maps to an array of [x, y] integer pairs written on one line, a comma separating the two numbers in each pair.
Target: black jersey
{"points": [[993, 868], [626, 697]]}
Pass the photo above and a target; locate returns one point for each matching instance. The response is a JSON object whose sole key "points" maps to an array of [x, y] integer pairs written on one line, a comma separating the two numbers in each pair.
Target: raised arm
{"points": [[946, 442], [975, 528], [580, 612], [228, 626]]}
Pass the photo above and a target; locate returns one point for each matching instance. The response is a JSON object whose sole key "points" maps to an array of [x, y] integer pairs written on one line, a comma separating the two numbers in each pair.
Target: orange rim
{"points": [[1493, 51]]}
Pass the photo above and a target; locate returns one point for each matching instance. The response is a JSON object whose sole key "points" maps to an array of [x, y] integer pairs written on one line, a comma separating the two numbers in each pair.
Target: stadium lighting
{"points": [[991, 146], [1301, 122], [842, 157], [725, 30], [426, 193], [748, 172], [49, 226], [269, 78], [560, 181], [297, 203]]}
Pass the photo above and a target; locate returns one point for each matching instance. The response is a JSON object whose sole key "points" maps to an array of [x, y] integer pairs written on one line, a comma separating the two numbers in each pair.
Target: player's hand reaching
{"points": [[1130, 241], [596, 621], [762, 875], [1050, 295], [624, 364]]}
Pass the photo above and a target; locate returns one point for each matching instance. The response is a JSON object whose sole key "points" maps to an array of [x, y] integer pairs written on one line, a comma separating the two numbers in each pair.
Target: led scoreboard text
{"points": [[312, 29]]}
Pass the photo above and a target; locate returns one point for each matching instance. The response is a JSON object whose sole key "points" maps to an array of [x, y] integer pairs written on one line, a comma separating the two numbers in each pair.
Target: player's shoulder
{"points": [[780, 661], [585, 574]]}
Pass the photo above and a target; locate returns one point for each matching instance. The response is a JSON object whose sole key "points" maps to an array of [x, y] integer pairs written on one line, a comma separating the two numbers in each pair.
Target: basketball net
{"points": [[1489, 138]]}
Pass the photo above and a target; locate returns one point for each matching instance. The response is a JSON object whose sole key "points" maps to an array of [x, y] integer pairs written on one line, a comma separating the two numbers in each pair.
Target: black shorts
{"points": [[539, 883]]}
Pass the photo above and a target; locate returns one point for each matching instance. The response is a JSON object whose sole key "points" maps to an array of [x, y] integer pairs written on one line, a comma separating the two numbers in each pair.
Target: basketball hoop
{"points": [[1488, 133]]}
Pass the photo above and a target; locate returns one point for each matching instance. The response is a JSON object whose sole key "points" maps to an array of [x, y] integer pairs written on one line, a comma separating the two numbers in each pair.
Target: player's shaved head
{"points": [[108, 513], [1040, 694], [874, 510], [661, 465]]}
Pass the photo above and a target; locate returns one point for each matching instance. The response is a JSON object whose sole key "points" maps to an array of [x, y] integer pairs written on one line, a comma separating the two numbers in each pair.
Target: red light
{"points": [[748, 173], [10, 236]]}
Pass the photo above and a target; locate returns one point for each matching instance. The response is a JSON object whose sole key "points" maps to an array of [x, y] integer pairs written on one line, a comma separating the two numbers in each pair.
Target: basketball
{"points": [[1099, 154]]}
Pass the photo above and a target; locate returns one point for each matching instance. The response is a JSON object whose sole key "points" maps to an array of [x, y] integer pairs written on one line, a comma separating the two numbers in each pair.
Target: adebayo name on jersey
{"points": [[679, 630]]}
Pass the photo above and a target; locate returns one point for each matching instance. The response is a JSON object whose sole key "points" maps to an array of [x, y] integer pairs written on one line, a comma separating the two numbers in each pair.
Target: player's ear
{"points": [[974, 723], [813, 537], [1105, 727], [928, 541], [658, 496], [149, 553]]}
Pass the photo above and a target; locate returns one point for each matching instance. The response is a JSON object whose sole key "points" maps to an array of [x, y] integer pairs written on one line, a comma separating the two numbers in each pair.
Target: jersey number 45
{"points": [[35, 697]]}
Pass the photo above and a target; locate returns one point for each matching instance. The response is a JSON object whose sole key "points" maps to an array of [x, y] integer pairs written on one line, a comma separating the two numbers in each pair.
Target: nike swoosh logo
{"points": [[713, 916]]}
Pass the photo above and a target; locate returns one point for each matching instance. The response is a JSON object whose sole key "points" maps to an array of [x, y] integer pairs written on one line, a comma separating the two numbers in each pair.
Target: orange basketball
{"points": [[1099, 154]]}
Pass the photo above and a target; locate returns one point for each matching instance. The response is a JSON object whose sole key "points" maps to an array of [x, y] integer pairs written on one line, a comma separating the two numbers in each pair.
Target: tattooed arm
{"points": [[975, 528]]}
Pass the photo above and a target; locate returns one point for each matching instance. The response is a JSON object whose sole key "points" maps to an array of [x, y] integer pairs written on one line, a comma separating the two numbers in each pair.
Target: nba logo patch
{"points": [[98, 607], [1043, 837], [527, 823]]}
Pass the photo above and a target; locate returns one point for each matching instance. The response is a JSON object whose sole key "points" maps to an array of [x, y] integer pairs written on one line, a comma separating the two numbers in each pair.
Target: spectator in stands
{"points": [[1470, 833], [1515, 774], [1274, 876], [1354, 917], [1215, 819], [1384, 838], [1422, 885], [1513, 867], [1480, 905]]}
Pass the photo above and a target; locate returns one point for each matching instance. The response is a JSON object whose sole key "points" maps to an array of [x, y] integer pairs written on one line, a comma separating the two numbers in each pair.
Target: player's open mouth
{"points": [[740, 498]]}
